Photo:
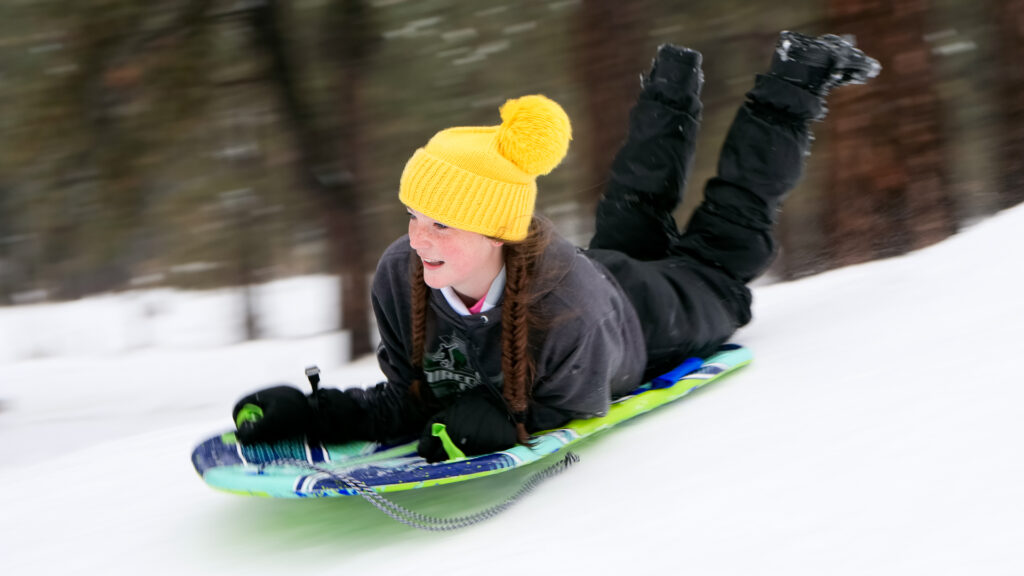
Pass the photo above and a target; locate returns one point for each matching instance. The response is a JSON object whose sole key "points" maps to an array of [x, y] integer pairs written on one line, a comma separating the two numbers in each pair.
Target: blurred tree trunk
{"points": [[1010, 18], [100, 183], [91, 164], [331, 154], [352, 36], [608, 48], [887, 189]]}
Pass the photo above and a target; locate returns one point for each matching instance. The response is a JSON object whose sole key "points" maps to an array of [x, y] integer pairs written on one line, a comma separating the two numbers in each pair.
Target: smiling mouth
{"points": [[427, 263]]}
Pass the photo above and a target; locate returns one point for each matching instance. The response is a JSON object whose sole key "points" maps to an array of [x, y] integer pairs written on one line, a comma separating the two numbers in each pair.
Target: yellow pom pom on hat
{"points": [[484, 178]]}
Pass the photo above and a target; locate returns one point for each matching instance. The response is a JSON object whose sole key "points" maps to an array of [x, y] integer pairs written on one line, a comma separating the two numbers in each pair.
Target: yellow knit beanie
{"points": [[484, 178]]}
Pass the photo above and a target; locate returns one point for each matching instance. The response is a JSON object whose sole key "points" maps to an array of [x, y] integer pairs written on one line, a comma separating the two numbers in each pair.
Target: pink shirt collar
{"points": [[489, 301]]}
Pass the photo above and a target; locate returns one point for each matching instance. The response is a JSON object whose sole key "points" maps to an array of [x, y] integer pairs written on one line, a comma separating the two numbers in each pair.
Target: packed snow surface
{"points": [[878, 431]]}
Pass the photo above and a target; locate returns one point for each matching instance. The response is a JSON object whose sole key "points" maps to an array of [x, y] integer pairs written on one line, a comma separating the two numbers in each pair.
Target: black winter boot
{"points": [[649, 173], [676, 78], [822, 63]]}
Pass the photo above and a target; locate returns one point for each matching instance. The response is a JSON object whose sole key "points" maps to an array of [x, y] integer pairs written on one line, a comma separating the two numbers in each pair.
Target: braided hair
{"points": [[518, 319]]}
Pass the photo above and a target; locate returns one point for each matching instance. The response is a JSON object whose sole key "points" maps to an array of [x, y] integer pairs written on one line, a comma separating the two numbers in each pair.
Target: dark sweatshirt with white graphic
{"points": [[590, 349]]}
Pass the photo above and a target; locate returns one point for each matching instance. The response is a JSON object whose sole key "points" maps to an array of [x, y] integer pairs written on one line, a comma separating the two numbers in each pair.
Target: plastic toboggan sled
{"points": [[298, 469]]}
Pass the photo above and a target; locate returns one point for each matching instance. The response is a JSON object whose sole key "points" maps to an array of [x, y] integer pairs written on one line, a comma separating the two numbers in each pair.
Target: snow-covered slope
{"points": [[877, 432]]}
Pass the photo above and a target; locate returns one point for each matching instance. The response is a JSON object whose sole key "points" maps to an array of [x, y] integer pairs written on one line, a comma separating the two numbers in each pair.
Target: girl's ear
{"points": [[496, 243]]}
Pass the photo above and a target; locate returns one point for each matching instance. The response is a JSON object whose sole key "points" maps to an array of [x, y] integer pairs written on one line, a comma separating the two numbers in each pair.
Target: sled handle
{"points": [[440, 431]]}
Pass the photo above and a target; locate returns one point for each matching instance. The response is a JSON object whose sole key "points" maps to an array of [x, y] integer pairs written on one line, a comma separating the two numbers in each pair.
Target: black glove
{"points": [[337, 417], [272, 414], [477, 424], [283, 412]]}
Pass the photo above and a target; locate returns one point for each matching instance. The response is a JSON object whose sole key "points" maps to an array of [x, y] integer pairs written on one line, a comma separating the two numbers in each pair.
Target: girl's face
{"points": [[466, 261]]}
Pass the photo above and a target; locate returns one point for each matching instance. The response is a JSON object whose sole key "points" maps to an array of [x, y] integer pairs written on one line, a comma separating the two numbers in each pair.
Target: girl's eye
{"points": [[437, 225]]}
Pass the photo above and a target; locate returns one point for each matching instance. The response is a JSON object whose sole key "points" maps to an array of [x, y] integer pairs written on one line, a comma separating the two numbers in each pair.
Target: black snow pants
{"points": [[689, 288]]}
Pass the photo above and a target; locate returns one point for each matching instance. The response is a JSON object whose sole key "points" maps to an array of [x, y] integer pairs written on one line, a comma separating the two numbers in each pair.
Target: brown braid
{"points": [[517, 318], [516, 363], [418, 301]]}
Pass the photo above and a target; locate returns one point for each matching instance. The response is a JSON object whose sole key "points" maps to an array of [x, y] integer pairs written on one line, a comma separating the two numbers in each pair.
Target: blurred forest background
{"points": [[211, 143]]}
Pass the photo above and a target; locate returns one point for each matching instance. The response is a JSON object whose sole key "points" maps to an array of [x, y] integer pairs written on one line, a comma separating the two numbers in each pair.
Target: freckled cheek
{"points": [[453, 256]]}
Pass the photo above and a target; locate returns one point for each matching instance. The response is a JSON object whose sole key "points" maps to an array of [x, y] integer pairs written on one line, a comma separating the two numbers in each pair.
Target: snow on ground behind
{"points": [[878, 431]]}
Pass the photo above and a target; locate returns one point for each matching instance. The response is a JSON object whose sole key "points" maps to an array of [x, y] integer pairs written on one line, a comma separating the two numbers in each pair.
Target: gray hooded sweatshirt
{"points": [[590, 349]]}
